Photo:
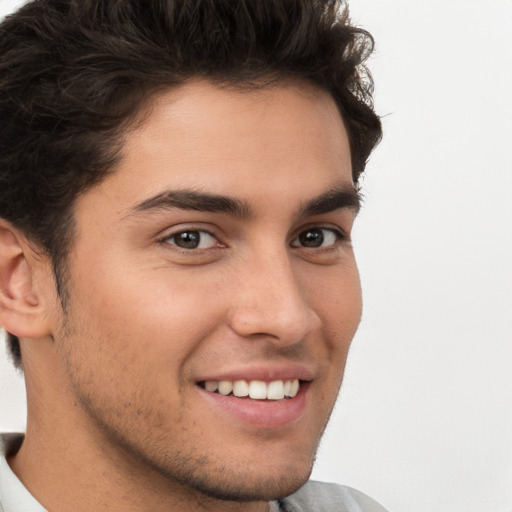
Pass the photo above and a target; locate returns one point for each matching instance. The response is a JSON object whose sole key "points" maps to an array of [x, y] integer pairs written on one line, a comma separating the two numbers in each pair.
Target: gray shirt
{"points": [[312, 497], [322, 497]]}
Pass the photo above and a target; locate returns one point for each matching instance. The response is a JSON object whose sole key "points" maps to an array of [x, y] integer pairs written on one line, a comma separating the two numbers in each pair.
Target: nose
{"points": [[271, 303]]}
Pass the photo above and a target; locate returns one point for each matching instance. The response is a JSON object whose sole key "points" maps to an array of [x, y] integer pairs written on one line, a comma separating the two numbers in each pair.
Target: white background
{"points": [[424, 423]]}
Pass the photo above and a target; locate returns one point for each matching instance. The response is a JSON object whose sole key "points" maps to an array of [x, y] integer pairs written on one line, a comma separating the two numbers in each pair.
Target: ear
{"points": [[21, 308]]}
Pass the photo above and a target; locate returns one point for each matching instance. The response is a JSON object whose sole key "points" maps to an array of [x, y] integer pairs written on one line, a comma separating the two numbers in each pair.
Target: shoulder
{"points": [[323, 497]]}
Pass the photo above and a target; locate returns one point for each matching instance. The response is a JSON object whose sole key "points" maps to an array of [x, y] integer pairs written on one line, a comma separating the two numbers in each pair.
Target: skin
{"points": [[116, 419]]}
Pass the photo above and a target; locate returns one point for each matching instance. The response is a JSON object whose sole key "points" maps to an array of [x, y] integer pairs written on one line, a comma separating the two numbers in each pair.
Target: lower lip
{"points": [[267, 414]]}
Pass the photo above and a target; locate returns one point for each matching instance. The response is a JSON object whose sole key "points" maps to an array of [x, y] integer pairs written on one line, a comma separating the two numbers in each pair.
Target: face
{"points": [[217, 256]]}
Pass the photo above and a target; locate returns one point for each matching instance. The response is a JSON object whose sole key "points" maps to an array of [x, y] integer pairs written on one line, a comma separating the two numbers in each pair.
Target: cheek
{"points": [[158, 317], [337, 300], [336, 297]]}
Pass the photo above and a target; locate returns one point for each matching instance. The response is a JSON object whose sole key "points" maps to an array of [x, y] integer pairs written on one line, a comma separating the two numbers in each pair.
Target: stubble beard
{"points": [[204, 478]]}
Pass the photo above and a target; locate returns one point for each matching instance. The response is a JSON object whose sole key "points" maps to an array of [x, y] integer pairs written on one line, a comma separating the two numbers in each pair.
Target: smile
{"points": [[255, 389]]}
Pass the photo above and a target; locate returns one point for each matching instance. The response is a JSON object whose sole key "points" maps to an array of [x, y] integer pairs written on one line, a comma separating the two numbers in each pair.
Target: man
{"points": [[178, 188]]}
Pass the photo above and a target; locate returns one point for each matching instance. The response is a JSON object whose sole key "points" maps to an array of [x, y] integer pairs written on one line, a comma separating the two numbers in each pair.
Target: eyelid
{"points": [[340, 234], [176, 230]]}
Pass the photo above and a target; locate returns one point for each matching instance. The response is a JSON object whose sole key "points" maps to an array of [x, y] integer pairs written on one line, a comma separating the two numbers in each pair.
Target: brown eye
{"points": [[317, 237], [193, 239]]}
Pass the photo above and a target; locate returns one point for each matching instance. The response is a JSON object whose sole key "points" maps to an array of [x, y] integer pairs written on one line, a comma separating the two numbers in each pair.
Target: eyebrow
{"points": [[193, 200], [345, 196]]}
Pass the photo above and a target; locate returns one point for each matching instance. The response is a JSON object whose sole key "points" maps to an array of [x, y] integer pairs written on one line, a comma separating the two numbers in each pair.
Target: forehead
{"points": [[238, 142]]}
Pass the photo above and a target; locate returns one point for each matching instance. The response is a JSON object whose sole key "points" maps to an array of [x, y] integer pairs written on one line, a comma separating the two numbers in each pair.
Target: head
{"points": [[90, 92]]}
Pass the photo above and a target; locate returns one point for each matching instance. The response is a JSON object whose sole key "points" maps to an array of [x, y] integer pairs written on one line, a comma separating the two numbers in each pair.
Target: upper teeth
{"points": [[256, 389]]}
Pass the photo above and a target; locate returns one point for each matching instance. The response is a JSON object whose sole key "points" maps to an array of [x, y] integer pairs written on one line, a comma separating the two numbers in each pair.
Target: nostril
{"points": [[286, 324]]}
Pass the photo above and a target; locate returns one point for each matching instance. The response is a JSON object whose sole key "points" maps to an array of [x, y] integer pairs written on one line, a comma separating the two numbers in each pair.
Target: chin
{"points": [[248, 488], [249, 483]]}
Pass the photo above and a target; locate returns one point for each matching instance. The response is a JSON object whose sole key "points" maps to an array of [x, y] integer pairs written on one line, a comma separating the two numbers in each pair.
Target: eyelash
{"points": [[339, 235], [167, 239]]}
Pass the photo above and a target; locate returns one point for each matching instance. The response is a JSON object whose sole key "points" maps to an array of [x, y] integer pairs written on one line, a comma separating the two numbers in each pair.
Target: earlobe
{"points": [[21, 311]]}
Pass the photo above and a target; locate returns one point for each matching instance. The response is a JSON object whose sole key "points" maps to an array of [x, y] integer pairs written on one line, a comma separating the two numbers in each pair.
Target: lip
{"points": [[263, 414], [264, 373]]}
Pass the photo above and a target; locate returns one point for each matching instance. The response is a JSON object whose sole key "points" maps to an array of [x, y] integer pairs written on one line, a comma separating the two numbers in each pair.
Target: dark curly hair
{"points": [[75, 73]]}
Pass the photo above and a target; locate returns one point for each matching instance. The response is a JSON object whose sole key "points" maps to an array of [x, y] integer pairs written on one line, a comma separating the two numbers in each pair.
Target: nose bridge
{"points": [[272, 302]]}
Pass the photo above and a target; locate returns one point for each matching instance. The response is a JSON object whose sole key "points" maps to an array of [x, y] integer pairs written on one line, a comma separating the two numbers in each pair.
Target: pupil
{"points": [[188, 239], [312, 238]]}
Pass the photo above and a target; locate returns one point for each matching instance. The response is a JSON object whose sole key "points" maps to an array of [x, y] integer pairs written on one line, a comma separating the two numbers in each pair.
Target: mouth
{"points": [[260, 401], [254, 389]]}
